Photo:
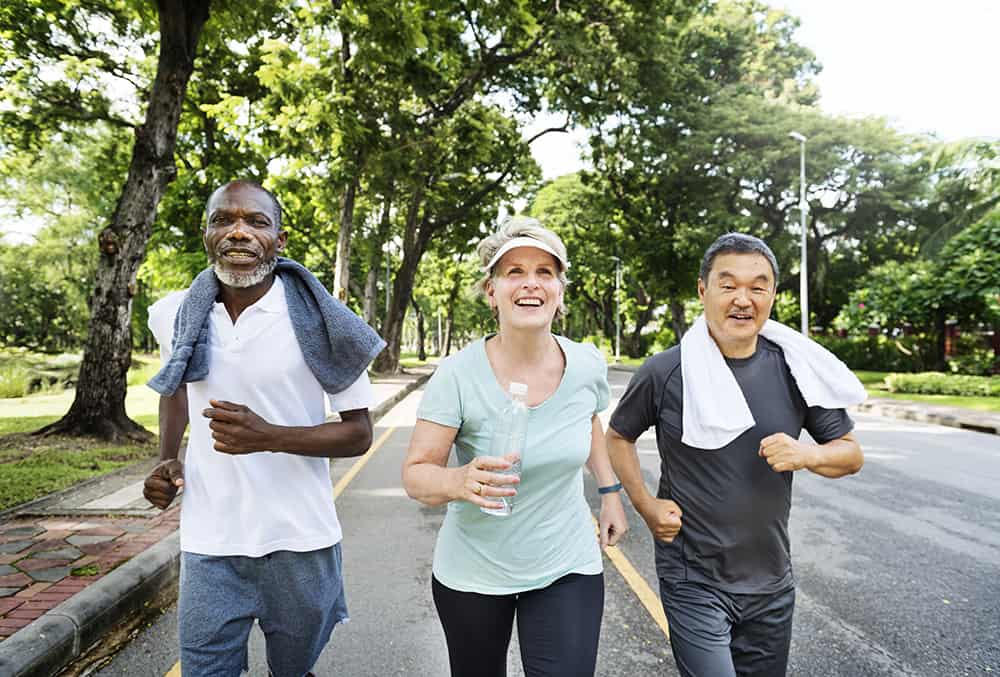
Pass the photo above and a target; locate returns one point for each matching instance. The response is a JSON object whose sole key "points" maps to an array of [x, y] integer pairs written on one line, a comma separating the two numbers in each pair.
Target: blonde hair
{"points": [[521, 226]]}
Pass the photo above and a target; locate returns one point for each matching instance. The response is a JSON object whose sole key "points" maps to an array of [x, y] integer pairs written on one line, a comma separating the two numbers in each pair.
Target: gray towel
{"points": [[337, 344]]}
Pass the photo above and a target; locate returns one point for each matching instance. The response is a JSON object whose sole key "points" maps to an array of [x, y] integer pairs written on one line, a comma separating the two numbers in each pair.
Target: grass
{"points": [[874, 384], [410, 360], [31, 467], [628, 361]]}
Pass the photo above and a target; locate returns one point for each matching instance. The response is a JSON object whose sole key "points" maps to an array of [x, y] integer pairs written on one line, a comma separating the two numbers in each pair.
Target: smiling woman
{"points": [[554, 572]]}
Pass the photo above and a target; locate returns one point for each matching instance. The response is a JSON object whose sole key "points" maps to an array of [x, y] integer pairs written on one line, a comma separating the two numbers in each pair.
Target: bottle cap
{"points": [[518, 388]]}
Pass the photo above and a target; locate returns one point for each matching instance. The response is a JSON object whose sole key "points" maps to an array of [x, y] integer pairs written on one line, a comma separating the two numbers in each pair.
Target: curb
{"points": [[908, 412], [63, 634], [47, 645]]}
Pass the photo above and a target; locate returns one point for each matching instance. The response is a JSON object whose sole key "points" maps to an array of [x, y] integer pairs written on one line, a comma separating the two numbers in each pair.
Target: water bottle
{"points": [[508, 441]]}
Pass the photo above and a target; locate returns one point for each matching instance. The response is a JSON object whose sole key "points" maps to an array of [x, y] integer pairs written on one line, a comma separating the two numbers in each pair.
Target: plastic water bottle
{"points": [[508, 441]]}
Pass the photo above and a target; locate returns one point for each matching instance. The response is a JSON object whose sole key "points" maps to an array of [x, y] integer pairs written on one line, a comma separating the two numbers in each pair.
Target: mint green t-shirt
{"points": [[550, 533]]}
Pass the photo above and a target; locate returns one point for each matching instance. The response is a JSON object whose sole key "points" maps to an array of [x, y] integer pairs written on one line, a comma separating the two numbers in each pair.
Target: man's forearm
{"points": [[342, 439], [625, 461], [837, 458], [173, 417]]}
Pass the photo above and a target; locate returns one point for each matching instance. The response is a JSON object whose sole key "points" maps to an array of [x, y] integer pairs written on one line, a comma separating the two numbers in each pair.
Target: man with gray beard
{"points": [[253, 351]]}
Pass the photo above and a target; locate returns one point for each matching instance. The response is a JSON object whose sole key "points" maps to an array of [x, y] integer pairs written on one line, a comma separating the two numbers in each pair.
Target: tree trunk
{"points": [[415, 239], [342, 269], [634, 348], [677, 320], [940, 363], [456, 286], [375, 260], [449, 327], [421, 331], [371, 292], [98, 408]]}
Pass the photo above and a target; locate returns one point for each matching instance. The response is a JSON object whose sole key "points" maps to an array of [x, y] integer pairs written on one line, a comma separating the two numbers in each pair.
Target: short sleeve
{"points": [[358, 395], [600, 371], [442, 402], [637, 409], [825, 425], [161, 322]]}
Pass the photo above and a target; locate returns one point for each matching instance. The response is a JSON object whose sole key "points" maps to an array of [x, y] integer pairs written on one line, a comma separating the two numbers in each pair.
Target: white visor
{"points": [[525, 242]]}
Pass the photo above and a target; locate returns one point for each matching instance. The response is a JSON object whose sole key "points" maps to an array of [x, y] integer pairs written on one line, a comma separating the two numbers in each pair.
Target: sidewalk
{"points": [[76, 564], [955, 417]]}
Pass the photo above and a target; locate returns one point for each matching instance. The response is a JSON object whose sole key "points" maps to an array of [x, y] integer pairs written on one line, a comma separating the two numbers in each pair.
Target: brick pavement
{"points": [[45, 560]]}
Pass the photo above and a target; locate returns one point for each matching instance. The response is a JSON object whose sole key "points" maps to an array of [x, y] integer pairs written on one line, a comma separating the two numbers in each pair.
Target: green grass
{"points": [[628, 361], [31, 467], [410, 360], [874, 382]]}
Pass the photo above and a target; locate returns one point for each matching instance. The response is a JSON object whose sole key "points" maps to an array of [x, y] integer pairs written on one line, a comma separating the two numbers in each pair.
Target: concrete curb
{"points": [[50, 643], [910, 412]]}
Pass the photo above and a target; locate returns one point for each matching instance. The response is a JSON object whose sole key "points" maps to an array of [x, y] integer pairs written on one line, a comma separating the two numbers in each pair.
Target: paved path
{"points": [[54, 548], [94, 529]]}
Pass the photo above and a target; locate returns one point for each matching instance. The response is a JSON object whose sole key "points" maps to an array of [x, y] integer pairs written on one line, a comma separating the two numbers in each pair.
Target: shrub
{"points": [[15, 380], [973, 356], [881, 353], [936, 383]]}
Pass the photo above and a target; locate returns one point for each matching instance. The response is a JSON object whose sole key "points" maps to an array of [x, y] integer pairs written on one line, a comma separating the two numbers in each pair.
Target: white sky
{"points": [[926, 65]]}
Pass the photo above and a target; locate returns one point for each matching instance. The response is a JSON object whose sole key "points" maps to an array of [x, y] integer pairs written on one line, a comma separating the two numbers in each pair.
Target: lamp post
{"points": [[618, 309], [803, 208]]}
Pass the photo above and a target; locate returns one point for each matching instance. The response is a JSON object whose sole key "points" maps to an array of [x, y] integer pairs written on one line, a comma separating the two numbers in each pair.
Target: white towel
{"points": [[715, 411]]}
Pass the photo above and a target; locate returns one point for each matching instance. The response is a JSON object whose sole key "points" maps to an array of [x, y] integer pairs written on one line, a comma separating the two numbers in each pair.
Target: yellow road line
{"points": [[639, 586], [360, 463], [337, 490]]}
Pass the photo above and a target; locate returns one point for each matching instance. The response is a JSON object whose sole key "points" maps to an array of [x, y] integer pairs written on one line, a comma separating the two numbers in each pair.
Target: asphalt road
{"points": [[898, 568]]}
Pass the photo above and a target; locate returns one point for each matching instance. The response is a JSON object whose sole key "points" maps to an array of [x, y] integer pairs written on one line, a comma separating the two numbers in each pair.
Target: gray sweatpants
{"points": [[719, 634]]}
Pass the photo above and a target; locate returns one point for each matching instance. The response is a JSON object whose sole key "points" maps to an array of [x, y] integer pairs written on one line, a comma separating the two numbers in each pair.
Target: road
{"points": [[898, 568]]}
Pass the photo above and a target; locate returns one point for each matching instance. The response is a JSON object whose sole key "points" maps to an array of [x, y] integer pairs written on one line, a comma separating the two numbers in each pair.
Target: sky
{"points": [[926, 65]]}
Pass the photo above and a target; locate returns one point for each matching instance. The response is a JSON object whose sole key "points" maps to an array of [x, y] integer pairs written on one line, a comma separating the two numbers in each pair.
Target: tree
{"points": [[99, 405], [659, 148], [66, 187]]}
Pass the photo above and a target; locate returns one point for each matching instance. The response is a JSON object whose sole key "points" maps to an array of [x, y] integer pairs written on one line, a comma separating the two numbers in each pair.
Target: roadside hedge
{"points": [[937, 383]]}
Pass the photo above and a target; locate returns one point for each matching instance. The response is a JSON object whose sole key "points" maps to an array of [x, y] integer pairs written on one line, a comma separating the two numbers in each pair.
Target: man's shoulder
{"points": [[663, 363], [169, 303], [162, 313]]}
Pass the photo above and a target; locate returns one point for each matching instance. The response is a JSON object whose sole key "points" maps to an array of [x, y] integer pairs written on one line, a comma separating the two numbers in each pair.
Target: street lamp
{"points": [[618, 310], [803, 208]]}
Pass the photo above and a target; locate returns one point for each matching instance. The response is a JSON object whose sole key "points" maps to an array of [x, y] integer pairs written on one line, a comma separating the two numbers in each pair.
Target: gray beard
{"points": [[240, 279]]}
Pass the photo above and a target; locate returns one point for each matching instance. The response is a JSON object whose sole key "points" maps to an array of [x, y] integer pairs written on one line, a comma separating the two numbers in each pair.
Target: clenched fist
{"points": [[163, 482]]}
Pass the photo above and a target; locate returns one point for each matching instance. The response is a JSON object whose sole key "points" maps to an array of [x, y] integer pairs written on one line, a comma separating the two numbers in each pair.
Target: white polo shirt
{"points": [[255, 504]]}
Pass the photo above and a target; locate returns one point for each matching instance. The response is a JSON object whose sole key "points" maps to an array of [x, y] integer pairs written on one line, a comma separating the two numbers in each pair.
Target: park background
{"points": [[396, 134]]}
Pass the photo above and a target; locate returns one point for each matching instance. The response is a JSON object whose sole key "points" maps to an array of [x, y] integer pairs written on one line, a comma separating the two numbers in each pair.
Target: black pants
{"points": [[720, 634], [558, 628]]}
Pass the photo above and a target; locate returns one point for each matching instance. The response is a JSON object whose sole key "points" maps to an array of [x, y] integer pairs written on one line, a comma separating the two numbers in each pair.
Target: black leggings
{"points": [[558, 628]]}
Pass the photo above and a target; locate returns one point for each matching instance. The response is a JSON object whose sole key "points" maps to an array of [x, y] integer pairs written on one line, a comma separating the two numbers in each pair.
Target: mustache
{"points": [[230, 247]]}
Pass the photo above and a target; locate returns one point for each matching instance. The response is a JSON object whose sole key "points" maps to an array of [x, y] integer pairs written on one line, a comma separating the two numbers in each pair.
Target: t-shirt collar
{"points": [[273, 301]]}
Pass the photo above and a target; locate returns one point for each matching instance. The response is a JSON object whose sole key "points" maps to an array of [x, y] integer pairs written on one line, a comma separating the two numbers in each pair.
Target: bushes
{"points": [[936, 383], [881, 353], [15, 380], [909, 353]]}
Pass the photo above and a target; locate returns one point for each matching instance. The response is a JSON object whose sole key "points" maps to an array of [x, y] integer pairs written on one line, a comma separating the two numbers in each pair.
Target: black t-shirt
{"points": [[734, 528]]}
